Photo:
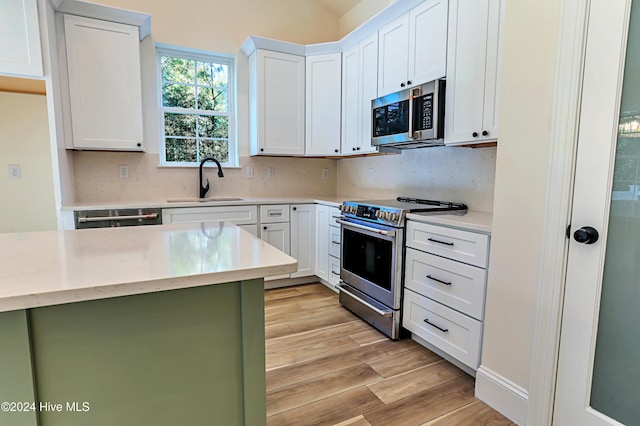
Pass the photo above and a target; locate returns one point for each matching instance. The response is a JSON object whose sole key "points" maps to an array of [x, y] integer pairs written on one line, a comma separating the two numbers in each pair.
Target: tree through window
{"points": [[197, 108]]}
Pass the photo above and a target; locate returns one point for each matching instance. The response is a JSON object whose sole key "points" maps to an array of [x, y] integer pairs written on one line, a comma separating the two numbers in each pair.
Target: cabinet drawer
{"points": [[464, 246], [334, 270], [454, 333], [334, 213], [334, 241], [274, 213], [455, 284], [240, 215]]}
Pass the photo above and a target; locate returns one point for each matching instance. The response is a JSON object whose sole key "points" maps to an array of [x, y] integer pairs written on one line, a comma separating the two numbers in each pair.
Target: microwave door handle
{"points": [[411, 113]]}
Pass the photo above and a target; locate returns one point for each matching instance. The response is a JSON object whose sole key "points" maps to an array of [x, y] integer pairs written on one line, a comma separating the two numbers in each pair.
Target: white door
{"points": [[598, 380], [303, 239]]}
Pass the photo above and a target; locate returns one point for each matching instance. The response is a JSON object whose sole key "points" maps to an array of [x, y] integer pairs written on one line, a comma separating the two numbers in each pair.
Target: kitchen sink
{"points": [[203, 200]]}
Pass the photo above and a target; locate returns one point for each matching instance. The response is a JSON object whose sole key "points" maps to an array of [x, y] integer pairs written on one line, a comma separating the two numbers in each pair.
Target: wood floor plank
{"points": [[329, 411], [424, 406], [293, 341], [277, 330], [334, 361], [278, 293], [476, 413], [415, 381], [319, 388], [301, 320], [368, 337], [319, 303], [295, 299], [356, 421], [309, 352], [414, 358]]}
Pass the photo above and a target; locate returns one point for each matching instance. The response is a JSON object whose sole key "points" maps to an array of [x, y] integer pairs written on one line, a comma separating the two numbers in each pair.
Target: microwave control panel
{"points": [[424, 108]]}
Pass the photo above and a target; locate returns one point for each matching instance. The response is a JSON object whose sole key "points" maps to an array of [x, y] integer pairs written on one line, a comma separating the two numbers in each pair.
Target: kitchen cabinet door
{"points": [[20, 50], [277, 234], [105, 91], [276, 103], [303, 240], [323, 104], [413, 48], [322, 242], [359, 88], [393, 61], [473, 67]]}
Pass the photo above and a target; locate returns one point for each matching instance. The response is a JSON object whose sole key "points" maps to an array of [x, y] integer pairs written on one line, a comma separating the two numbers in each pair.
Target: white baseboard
{"points": [[502, 395]]}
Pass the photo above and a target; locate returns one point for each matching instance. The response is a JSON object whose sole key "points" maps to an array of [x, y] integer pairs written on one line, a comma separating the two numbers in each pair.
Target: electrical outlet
{"points": [[325, 173], [249, 172], [123, 171], [14, 171], [371, 174], [271, 172]]}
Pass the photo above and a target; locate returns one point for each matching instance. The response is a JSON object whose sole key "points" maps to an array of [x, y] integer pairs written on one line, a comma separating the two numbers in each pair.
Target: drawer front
{"points": [[464, 246], [334, 241], [457, 285], [334, 270], [454, 333], [240, 215], [274, 213], [334, 213]]}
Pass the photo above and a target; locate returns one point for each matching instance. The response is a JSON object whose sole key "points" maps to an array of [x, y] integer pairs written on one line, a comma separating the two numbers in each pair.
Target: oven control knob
{"points": [[352, 210], [378, 213], [386, 216], [393, 217], [342, 207]]}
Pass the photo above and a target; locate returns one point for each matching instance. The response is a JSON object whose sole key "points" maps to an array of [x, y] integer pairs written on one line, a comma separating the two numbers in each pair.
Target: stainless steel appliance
{"points": [[371, 262], [412, 118], [117, 217]]}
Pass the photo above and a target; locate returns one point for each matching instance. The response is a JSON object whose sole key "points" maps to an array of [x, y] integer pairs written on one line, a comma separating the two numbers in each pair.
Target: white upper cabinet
{"points": [[413, 48], [20, 50], [359, 88], [105, 92], [473, 68], [323, 100], [276, 103]]}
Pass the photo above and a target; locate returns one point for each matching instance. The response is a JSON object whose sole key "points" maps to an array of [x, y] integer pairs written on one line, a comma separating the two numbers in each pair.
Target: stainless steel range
{"points": [[371, 265]]}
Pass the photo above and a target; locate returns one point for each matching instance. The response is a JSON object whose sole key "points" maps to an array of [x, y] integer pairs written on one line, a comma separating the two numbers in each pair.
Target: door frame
{"points": [[560, 179]]}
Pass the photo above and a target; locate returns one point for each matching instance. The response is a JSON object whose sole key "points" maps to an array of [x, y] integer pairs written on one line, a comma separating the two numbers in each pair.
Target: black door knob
{"points": [[409, 82], [295, 208], [474, 134], [485, 133], [264, 227], [402, 84], [586, 235]]}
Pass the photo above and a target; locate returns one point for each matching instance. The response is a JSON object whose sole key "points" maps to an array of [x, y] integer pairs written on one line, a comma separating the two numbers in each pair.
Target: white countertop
{"points": [[55, 267], [470, 220], [186, 202]]}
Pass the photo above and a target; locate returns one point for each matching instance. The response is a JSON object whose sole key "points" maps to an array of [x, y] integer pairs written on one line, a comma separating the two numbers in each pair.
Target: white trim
{"points": [[547, 322], [502, 395]]}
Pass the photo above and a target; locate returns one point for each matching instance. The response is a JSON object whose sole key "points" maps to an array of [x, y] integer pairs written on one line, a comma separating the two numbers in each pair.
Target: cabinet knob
{"points": [[337, 150], [409, 82], [474, 134], [295, 208], [261, 149], [358, 149], [485, 133], [353, 149], [139, 144], [264, 227], [402, 84]]}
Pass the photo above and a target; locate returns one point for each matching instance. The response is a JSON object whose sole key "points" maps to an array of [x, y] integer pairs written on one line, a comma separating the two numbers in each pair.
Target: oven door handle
{"points": [[367, 228], [368, 305]]}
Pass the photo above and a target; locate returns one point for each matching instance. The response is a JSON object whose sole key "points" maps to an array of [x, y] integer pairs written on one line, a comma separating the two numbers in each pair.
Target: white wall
{"points": [[27, 203], [529, 59], [360, 13]]}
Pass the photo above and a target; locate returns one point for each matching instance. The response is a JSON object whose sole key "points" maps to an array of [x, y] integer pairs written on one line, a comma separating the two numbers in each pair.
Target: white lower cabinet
{"points": [[444, 289], [275, 230], [245, 217], [303, 238], [327, 246]]}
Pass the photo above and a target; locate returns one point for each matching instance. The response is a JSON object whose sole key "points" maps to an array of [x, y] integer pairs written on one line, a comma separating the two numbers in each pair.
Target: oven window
{"points": [[391, 119], [368, 257]]}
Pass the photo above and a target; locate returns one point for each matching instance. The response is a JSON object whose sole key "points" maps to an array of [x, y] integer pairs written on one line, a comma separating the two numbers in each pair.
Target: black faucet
{"points": [[204, 189]]}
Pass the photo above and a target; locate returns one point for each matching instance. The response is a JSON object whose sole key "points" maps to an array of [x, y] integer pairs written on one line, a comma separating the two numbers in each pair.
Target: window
{"points": [[196, 107]]}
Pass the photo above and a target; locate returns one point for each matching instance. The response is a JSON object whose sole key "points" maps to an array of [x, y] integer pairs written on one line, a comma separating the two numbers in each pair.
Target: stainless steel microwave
{"points": [[411, 118]]}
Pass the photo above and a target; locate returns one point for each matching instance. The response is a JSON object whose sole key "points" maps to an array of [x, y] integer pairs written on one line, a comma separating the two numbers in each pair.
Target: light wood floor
{"points": [[325, 366]]}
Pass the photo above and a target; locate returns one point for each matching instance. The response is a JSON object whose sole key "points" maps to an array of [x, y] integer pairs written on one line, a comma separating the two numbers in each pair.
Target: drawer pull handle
{"points": [[335, 273], [275, 213], [438, 281], [444, 330], [440, 242], [335, 242]]}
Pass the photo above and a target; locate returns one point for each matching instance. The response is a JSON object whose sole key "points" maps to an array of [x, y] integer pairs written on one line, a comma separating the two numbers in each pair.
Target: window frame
{"points": [[202, 56]]}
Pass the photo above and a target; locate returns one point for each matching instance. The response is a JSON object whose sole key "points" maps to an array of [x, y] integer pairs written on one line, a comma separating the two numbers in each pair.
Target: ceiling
{"points": [[22, 85], [339, 7]]}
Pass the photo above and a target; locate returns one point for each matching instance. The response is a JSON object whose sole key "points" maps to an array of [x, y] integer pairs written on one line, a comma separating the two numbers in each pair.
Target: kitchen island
{"points": [[152, 325]]}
